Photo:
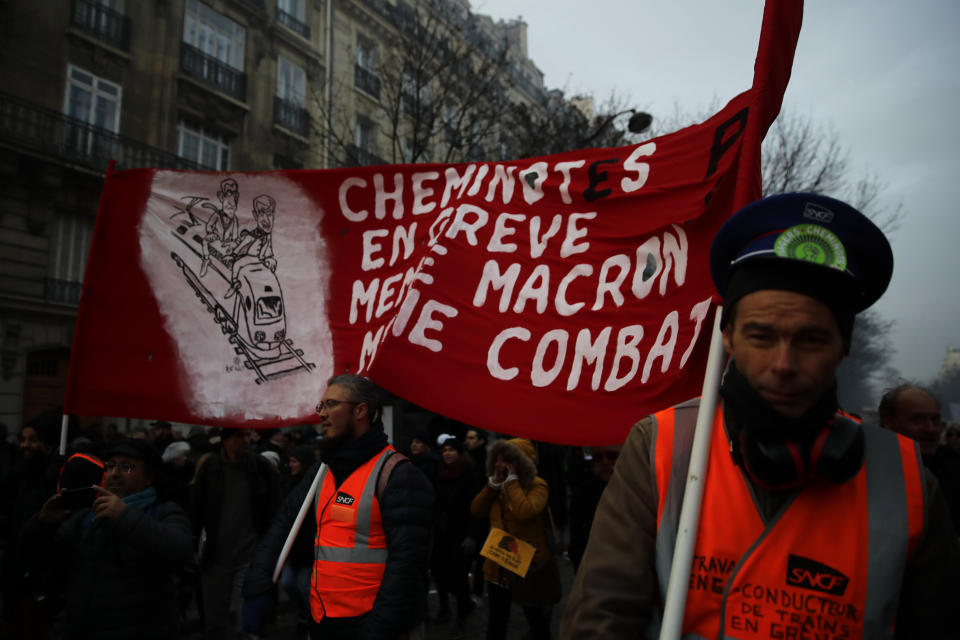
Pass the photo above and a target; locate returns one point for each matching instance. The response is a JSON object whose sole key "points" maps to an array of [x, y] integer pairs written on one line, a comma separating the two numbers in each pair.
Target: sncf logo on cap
{"points": [[343, 498], [817, 213], [810, 574]]}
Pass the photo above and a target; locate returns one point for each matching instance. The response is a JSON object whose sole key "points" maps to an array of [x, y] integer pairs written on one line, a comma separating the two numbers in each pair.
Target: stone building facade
{"points": [[224, 85]]}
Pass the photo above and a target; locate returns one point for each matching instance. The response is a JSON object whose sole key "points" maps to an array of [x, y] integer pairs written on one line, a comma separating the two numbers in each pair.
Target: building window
{"points": [[214, 34], [207, 149], [364, 149], [92, 100], [365, 69], [291, 82], [69, 246], [451, 124], [416, 97], [93, 106], [293, 15], [289, 111], [213, 46]]}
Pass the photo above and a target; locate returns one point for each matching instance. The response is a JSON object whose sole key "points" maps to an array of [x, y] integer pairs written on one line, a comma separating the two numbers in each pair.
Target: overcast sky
{"points": [[883, 74]]}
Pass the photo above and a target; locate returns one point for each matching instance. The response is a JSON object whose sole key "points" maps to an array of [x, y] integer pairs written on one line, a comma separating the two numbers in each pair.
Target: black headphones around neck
{"points": [[774, 462]]}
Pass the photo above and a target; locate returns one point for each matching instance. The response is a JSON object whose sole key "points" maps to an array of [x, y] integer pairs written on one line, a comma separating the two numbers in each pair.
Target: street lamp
{"points": [[639, 122]]}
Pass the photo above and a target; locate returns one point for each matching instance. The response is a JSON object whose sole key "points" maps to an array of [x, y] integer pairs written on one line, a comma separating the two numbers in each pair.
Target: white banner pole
{"points": [[304, 508], [64, 421], [676, 599]]}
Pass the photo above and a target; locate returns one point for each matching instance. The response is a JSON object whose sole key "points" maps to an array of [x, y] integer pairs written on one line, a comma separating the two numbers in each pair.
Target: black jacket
{"points": [[456, 487], [207, 496], [406, 507], [583, 505], [119, 576]]}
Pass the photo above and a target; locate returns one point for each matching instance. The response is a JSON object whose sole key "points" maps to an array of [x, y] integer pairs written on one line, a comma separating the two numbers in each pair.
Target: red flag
{"points": [[558, 298]]}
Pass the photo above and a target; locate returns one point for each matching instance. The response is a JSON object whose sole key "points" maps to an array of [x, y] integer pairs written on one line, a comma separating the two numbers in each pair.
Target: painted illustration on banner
{"points": [[232, 269]]}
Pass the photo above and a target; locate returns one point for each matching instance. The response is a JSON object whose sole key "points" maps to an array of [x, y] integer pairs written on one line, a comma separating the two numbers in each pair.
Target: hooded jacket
{"points": [[517, 506]]}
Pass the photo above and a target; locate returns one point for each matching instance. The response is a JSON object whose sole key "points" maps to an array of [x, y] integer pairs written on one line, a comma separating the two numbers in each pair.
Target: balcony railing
{"points": [[293, 23], [102, 23], [220, 75], [359, 157], [66, 291], [31, 127], [291, 116], [366, 80]]}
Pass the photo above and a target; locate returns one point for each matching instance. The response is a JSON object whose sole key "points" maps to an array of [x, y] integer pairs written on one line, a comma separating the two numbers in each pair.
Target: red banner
{"points": [[558, 298]]}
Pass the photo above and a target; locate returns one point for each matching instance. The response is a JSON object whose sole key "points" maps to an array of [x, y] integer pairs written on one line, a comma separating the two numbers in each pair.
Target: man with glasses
{"points": [[373, 516], [116, 560]]}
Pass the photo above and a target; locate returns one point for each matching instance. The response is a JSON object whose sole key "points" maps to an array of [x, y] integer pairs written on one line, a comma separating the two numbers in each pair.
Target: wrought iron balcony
{"points": [[360, 157], [67, 291], [293, 23], [34, 128], [291, 116], [102, 23], [367, 80], [221, 76]]}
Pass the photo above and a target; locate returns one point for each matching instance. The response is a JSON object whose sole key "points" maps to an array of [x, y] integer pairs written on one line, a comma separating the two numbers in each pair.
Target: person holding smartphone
{"points": [[115, 549]]}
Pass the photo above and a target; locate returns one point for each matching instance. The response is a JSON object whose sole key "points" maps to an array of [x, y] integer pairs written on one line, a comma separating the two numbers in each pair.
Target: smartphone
{"points": [[74, 499]]}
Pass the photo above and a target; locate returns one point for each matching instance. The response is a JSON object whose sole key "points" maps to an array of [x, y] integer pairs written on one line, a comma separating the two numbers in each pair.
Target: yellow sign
{"points": [[508, 551]]}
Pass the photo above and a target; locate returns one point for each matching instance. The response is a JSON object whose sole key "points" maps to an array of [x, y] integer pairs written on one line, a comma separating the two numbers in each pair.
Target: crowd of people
{"points": [[125, 534]]}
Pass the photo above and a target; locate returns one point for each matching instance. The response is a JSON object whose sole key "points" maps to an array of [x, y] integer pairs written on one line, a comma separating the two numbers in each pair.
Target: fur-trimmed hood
{"points": [[518, 452]]}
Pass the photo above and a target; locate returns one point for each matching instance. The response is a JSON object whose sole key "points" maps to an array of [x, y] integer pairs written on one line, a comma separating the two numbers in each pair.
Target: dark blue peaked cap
{"points": [[804, 233]]}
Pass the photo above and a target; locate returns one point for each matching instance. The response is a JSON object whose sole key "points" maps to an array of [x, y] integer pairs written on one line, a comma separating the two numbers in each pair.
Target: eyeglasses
{"points": [[332, 403], [125, 467]]}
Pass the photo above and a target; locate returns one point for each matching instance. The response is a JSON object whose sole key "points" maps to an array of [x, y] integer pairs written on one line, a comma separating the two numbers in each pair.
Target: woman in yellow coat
{"points": [[515, 500]]}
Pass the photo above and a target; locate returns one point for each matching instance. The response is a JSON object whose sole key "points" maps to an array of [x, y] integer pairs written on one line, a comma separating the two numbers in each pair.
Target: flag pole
{"points": [[295, 529], [64, 422], [676, 598]]}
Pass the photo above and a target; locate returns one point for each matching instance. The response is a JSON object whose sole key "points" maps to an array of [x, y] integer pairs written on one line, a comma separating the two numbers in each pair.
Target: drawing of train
{"points": [[245, 299]]}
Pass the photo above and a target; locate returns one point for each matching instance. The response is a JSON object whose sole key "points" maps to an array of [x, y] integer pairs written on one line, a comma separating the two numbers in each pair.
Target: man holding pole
{"points": [[374, 517], [811, 524]]}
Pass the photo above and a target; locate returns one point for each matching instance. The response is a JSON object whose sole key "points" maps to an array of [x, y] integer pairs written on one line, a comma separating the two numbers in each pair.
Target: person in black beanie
{"points": [[801, 502], [456, 534], [422, 455], [117, 559]]}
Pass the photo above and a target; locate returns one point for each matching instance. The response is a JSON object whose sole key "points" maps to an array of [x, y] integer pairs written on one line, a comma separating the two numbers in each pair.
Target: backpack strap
{"points": [[395, 458]]}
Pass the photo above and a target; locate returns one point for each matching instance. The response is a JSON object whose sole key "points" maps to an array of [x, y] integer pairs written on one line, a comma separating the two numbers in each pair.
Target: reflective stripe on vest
{"points": [[350, 551], [752, 579]]}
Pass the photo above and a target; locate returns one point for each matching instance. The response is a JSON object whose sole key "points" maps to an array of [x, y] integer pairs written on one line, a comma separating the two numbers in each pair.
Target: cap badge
{"points": [[812, 243], [817, 213]]}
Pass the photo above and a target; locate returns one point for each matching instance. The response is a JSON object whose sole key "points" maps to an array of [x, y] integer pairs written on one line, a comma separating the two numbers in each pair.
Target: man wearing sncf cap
{"points": [[117, 559], [812, 525]]}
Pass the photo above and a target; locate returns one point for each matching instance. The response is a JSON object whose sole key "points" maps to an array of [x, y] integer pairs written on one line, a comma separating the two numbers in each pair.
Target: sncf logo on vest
{"points": [[810, 574], [343, 498]]}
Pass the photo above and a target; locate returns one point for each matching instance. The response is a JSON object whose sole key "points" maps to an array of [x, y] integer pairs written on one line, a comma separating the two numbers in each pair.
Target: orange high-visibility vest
{"points": [[828, 565], [350, 549]]}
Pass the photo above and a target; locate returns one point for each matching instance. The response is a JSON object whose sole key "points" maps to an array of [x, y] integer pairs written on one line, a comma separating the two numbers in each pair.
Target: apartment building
{"points": [[224, 85]]}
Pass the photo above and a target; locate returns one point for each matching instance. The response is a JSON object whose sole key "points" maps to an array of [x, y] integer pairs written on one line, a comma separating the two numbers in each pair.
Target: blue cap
{"points": [[806, 232]]}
